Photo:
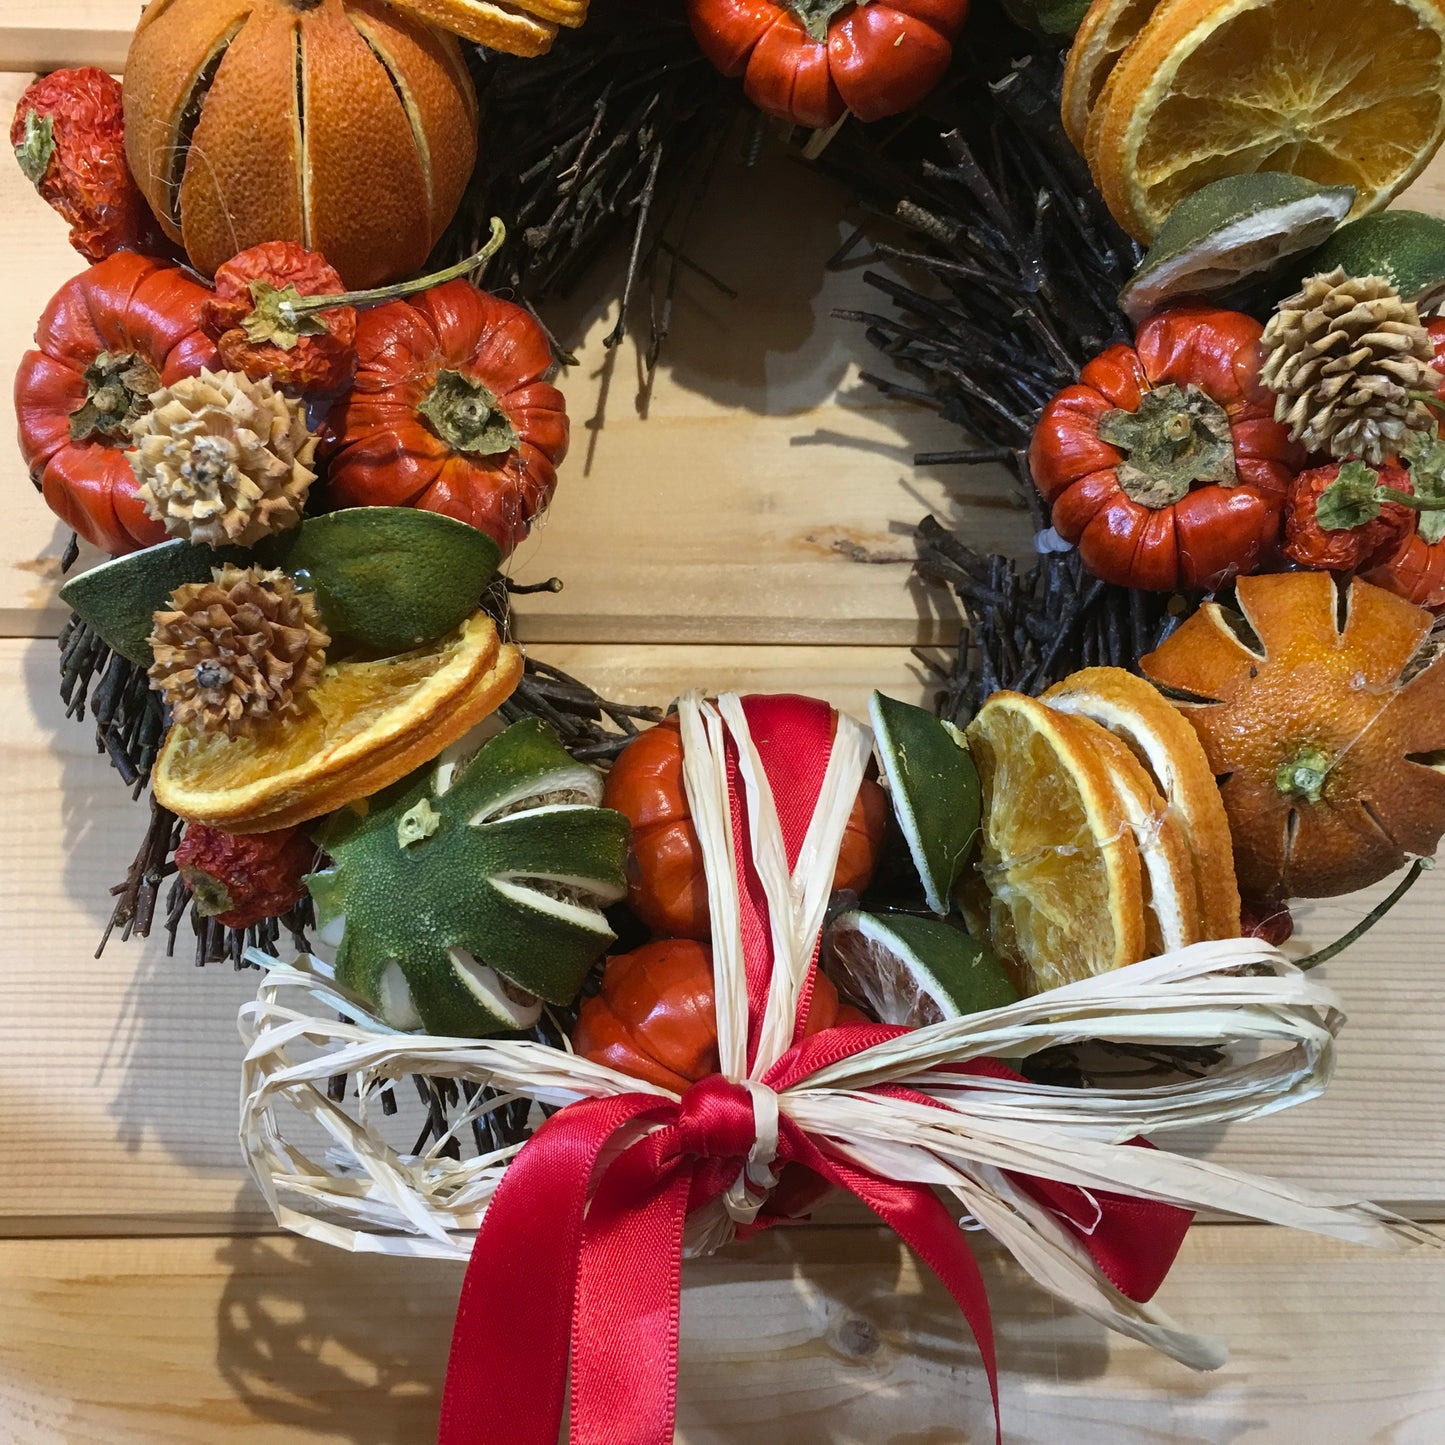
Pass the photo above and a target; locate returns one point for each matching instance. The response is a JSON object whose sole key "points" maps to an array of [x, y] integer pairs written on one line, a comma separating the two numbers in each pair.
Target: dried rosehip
{"points": [[70, 141], [1265, 919], [252, 318], [240, 880], [1340, 517]]}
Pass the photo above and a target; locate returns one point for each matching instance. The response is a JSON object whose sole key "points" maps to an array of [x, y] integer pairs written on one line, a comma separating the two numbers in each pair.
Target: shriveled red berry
{"points": [[247, 317], [1339, 517], [1265, 919], [69, 138], [239, 880]]}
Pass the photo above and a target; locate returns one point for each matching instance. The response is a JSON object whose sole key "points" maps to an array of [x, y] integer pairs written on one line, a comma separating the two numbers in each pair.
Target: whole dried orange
{"points": [[346, 125], [1322, 713]]}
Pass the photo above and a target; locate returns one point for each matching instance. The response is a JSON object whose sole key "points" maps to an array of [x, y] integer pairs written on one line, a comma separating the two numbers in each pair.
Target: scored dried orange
{"points": [[1102, 37], [1323, 716], [1058, 855], [365, 725], [1170, 751], [1344, 92]]}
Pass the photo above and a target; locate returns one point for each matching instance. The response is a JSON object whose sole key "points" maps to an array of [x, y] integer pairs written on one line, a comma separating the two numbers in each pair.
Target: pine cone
{"points": [[222, 459], [237, 651], [1342, 357]]}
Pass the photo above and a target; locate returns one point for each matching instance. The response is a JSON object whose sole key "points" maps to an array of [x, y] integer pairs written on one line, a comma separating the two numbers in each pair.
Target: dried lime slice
{"points": [[1230, 230], [914, 971], [1407, 248], [933, 786]]}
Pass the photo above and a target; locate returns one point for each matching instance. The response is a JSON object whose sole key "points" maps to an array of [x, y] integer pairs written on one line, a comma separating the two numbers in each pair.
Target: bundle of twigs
{"points": [[1024, 630], [609, 134], [1012, 279]]}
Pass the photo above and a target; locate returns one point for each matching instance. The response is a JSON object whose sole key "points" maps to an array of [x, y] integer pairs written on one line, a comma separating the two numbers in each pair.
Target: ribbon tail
{"points": [[917, 1215], [629, 1301], [507, 1375]]}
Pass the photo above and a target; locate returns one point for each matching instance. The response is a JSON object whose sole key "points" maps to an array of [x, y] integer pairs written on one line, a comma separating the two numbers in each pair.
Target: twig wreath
{"points": [[661, 977]]}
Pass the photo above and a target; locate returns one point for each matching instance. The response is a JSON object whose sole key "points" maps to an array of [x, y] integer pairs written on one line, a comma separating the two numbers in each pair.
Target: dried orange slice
{"points": [[1170, 751], [1343, 92], [366, 725], [1058, 854], [1171, 903], [1102, 37]]}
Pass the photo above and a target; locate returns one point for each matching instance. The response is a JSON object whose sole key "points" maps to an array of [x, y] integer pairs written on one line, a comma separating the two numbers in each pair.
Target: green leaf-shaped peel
{"points": [[461, 881], [934, 788]]}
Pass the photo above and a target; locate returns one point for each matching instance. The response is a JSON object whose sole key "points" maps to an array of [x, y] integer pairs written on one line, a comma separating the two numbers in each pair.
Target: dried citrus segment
{"points": [[366, 724], [1343, 92], [1171, 752], [1171, 903], [1105, 33], [1323, 715], [1058, 854]]}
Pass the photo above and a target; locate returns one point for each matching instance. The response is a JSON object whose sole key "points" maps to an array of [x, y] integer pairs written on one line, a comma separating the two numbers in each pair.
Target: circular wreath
{"points": [[1227, 447]]}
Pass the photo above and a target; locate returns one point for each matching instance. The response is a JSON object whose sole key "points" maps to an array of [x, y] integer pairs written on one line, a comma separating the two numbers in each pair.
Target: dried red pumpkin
{"points": [[449, 412], [1164, 463], [268, 314], [808, 61], [109, 338], [69, 138], [656, 1017], [667, 886]]}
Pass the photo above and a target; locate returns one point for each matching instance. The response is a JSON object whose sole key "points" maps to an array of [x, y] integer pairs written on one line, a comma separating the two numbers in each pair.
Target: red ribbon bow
{"points": [[580, 1251]]}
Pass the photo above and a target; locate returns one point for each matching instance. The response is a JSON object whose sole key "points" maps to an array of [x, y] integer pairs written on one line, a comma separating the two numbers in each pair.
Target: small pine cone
{"points": [[222, 459], [1342, 357], [238, 651]]}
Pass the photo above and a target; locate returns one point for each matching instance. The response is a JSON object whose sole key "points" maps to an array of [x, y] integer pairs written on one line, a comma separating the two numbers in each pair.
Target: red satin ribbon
{"points": [[555, 1276]]}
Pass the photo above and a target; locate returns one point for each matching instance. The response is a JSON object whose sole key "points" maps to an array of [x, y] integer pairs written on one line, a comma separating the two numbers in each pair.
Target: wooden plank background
{"points": [[751, 532]]}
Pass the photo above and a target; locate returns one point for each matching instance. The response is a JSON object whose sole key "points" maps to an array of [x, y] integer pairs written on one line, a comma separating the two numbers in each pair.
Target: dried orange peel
{"points": [[366, 725], [1322, 714]]}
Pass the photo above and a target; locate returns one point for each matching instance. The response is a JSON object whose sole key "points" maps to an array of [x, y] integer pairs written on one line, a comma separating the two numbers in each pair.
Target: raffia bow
{"points": [[580, 1238]]}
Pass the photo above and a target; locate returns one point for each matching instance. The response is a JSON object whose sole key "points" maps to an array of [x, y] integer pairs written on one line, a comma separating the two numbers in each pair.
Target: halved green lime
{"points": [[391, 578], [1232, 229], [117, 598], [934, 788], [1407, 248], [914, 971]]}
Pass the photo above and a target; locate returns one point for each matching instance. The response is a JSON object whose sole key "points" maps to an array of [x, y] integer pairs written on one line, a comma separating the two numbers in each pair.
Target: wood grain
{"points": [[818, 1336], [47, 34]]}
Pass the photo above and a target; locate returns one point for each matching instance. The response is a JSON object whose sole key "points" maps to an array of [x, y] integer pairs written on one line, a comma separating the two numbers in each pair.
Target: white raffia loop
{"points": [[1276, 1024]]}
